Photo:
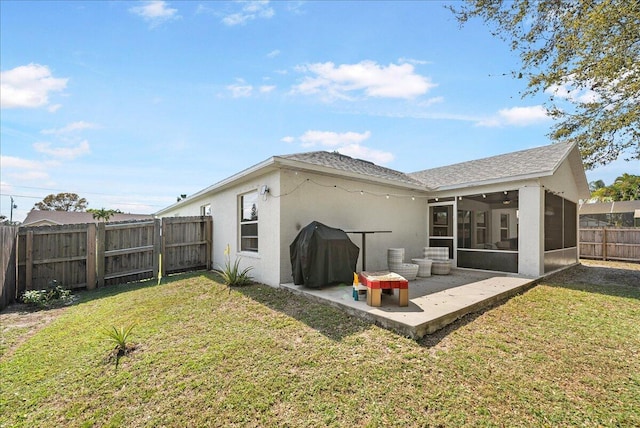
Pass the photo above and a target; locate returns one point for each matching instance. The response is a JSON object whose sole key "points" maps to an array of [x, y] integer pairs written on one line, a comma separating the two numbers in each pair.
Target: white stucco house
{"points": [[515, 212]]}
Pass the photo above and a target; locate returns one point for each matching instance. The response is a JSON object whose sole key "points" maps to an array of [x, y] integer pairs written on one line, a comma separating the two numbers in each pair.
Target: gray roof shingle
{"points": [[342, 162], [74, 217], [536, 161]]}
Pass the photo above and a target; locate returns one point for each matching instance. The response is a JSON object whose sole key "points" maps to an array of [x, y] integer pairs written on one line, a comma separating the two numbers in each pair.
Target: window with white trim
{"points": [[249, 222]]}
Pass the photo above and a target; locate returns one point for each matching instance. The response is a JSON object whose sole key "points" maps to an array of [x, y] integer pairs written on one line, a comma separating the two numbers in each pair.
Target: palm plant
{"points": [[119, 337]]}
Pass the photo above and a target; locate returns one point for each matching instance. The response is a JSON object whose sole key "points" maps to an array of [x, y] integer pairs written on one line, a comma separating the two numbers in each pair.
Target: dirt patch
{"points": [[18, 322], [600, 272]]}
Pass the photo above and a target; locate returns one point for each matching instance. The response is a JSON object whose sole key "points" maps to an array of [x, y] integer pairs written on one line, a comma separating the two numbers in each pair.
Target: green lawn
{"points": [[561, 354]]}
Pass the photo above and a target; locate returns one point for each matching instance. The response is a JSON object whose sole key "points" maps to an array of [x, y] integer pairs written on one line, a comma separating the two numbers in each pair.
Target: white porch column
{"points": [[531, 233]]}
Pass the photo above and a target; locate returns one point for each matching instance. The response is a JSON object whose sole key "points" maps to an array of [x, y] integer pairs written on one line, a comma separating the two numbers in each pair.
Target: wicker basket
{"points": [[408, 271]]}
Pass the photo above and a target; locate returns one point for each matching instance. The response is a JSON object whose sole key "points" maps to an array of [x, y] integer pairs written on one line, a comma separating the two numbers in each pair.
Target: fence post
{"points": [[604, 244], [163, 247], [91, 256], [100, 248], [156, 248], [209, 238], [28, 260]]}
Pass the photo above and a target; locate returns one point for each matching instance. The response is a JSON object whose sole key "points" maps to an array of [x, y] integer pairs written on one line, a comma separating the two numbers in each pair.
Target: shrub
{"points": [[119, 337], [231, 273], [54, 295]]}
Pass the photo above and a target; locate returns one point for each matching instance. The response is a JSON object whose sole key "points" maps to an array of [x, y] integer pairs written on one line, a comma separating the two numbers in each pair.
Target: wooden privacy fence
{"points": [[8, 236], [186, 244], [93, 255], [610, 244]]}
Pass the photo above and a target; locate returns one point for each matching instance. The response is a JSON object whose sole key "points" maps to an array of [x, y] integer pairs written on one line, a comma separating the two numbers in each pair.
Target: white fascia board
{"points": [[512, 179], [324, 170], [257, 169]]}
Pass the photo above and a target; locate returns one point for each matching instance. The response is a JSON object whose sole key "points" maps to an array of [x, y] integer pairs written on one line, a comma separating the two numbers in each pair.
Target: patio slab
{"points": [[434, 302]]}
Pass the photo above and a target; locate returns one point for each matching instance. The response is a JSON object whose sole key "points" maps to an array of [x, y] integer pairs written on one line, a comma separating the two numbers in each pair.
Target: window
{"points": [[249, 222], [481, 228], [205, 209], [504, 227]]}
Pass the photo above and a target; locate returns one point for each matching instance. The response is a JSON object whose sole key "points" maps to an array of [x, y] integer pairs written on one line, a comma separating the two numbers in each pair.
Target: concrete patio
{"points": [[434, 302]]}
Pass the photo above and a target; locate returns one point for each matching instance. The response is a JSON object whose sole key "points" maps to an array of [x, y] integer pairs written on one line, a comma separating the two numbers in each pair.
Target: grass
{"points": [[561, 354]]}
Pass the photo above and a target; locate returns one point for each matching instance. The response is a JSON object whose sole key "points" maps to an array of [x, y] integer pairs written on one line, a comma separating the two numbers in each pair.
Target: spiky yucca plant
{"points": [[231, 273]]}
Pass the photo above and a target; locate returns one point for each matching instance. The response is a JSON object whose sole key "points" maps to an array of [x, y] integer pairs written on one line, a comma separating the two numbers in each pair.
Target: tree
{"points": [[62, 202], [595, 185], [624, 188], [103, 213], [586, 56]]}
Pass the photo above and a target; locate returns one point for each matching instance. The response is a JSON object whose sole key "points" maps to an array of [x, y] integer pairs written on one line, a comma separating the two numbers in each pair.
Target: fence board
{"points": [[58, 253], [129, 251], [90, 255], [610, 244], [186, 244], [8, 244]]}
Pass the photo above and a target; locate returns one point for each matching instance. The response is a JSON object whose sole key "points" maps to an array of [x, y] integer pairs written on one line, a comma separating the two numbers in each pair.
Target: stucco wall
{"points": [[338, 203], [562, 183], [225, 213]]}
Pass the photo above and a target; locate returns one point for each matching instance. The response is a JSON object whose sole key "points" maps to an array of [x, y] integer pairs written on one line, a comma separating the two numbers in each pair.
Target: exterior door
{"points": [[441, 227]]}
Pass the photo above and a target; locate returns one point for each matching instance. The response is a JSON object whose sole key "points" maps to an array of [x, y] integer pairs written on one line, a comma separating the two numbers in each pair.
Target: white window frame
{"points": [[242, 221]]}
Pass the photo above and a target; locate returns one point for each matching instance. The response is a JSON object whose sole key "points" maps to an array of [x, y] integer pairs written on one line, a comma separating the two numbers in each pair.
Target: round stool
{"points": [[424, 269]]}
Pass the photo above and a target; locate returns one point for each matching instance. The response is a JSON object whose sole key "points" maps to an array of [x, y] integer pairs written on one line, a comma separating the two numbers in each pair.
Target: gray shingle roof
{"points": [[536, 161], [342, 162], [73, 217]]}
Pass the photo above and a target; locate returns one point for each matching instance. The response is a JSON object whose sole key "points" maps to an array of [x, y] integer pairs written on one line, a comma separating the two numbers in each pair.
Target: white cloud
{"points": [[413, 61], [28, 86], [155, 12], [26, 169], [347, 143], [31, 175], [288, 139], [376, 156], [54, 108], [240, 89], [568, 92], [265, 89], [70, 128], [273, 53], [337, 82], [516, 116], [332, 139], [250, 10], [68, 153]]}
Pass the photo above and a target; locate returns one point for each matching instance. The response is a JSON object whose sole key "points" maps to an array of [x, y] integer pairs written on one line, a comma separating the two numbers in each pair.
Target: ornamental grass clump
{"points": [[119, 337], [231, 274]]}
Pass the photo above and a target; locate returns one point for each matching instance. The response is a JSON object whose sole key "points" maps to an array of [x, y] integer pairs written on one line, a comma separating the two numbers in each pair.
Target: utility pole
{"points": [[12, 207]]}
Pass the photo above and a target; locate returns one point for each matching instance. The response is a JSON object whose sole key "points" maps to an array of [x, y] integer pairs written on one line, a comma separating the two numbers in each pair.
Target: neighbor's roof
{"points": [[345, 163], [610, 207], [73, 217], [523, 164]]}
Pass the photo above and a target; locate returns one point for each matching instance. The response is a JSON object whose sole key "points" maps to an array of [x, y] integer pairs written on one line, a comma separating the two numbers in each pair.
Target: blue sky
{"points": [[130, 104]]}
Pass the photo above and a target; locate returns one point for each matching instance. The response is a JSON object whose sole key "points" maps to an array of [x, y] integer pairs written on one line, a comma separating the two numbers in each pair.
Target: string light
{"points": [[362, 192]]}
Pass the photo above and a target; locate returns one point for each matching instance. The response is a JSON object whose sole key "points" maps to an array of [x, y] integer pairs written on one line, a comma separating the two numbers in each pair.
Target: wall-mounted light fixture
{"points": [[264, 189]]}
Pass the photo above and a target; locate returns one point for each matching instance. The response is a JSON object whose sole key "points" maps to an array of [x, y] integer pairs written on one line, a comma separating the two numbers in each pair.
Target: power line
{"points": [[114, 203]]}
